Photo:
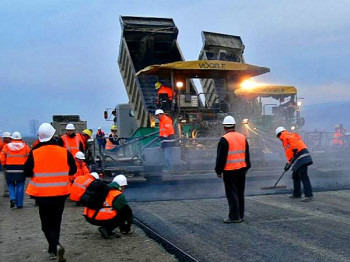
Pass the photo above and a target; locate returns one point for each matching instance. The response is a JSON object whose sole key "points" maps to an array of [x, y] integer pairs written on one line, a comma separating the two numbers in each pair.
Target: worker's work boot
{"points": [[60, 254], [227, 220], [307, 199], [12, 203], [104, 233], [293, 196]]}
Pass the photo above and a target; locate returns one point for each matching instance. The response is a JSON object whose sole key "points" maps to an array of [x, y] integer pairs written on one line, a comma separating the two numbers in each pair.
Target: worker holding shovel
{"points": [[299, 159]]}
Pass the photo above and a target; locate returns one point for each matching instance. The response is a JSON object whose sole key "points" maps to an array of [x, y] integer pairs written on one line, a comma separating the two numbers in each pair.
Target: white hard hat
{"points": [[80, 155], [121, 180], [16, 136], [99, 128], [229, 121], [158, 112], [45, 132], [70, 126], [6, 134], [95, 175], [279, 130]]}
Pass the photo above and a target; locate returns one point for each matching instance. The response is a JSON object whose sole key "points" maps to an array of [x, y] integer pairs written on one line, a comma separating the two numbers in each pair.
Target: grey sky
{"points": [[60, 57]]}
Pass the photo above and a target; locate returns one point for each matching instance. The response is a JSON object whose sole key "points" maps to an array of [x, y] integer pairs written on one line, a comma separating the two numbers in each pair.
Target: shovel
{"points": [[275, 185]]}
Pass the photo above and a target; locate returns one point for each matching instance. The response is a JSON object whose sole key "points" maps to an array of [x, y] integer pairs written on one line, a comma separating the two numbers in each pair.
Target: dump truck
{"points": [[59, 122]]}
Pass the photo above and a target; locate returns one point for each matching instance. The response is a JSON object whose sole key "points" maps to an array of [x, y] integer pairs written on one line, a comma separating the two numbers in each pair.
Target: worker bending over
{"points": [[299, 159], [82, 169], [115, 211], [80, 185], [232, 164]]}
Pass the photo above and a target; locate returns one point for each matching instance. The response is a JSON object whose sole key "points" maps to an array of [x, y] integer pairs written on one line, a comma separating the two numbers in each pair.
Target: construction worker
{"points": [[113, 139], [82, 169], [49, 166], [338, 137], [232, 164], [85, 135], [165, 96], [115, 211], [80, 184], [101, 141], [6, 138], [71, 140], [299, 158], [167, 134], [12, 157]]}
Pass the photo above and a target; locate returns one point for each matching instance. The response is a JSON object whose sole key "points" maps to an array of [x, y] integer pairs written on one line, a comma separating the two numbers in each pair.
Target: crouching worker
{"points": [[115, 211], [80, 185]]}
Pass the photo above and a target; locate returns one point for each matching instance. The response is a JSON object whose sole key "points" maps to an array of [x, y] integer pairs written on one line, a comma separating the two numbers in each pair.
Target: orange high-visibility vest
{"points": [[71, 143], [109, 145], [338, 138], [82, 170], [291, 141], [50, 172], [79, 186], [166, 90], [106, 212], [11, 157], [236, 151], [166, 127]]}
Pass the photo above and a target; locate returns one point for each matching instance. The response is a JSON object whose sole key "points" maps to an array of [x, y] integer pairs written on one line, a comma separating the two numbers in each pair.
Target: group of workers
{"points": [[55, 167]]}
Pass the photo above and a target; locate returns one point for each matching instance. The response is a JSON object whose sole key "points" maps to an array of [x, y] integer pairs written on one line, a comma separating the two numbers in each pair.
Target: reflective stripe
{"points": [[83, 186], [236, 152], [235, 161], [51, 174], [14, 171], [69, 148], [48, 184], [10, 155]]}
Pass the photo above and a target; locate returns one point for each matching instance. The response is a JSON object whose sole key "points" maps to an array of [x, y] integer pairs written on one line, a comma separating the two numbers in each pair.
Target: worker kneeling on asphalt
{"points": [[115, 211], [299, 159], [232, 163]]}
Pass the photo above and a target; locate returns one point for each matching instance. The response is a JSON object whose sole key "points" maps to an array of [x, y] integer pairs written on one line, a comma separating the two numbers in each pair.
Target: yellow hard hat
{"points": [[87, 132], [158, 85], [114, 127]]}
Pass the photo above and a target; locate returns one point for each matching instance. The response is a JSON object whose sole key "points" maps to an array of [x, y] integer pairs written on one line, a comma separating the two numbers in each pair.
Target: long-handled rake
{"points": [[275, 185]]}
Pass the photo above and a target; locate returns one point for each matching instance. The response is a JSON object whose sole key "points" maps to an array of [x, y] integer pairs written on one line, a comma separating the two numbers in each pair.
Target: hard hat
{"points": [[229, 121], [121, 180], [279, 130], [87, 132], [114, 127], [6, 134], [70, 126], [95, 175], [99, 128], [80, 155], [158, 85], [158, 112], [45, 132], [16, 136]]}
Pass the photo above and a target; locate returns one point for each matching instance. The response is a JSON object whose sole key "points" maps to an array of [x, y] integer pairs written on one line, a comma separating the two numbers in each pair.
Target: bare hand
{"points": [[219, 175]]}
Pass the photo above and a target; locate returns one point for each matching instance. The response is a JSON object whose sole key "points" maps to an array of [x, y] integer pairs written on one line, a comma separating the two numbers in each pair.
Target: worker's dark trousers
{"points": [[234, 187], [51, 217], [300, 175]]}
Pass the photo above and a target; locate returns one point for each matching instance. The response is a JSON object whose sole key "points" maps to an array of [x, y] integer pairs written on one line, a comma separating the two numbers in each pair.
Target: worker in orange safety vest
{"points": [[80, 184], [112, 142], [82, 168], [339, 136], [49, 167], [298, 158], [232, 164], [115, 211], [71, 140], [167, 135], [12, 157], [6, 138], [165, 96]]}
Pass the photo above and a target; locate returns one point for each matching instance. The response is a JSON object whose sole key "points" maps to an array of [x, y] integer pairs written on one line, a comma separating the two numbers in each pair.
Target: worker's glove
{"points": [[295, 151], [287, 166]]}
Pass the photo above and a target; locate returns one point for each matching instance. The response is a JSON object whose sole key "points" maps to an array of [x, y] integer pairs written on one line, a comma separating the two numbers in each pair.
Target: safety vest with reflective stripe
{"points": [[291, 141], [236, 151], [106, 212], [51, 170], [338, 138], [14, 159], [109, 144], [79, 186], [71, 143], [166, 127]]}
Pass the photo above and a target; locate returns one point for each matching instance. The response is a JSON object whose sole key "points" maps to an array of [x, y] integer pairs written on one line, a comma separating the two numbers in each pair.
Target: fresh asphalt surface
{"points": [[188, 211]]}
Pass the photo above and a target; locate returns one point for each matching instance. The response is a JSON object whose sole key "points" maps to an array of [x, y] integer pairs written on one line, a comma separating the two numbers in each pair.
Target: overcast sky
{"points": [[60, 56]]}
